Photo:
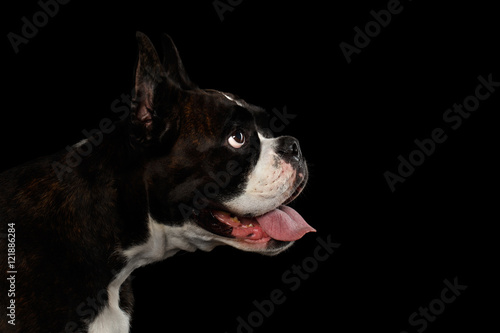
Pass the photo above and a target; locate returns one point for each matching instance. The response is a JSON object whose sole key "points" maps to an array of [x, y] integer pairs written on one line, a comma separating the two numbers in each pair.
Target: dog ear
{"points": [[173, 64], [153, 92]]}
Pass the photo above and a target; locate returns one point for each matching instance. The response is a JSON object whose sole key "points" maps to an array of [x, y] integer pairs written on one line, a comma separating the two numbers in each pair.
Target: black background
{"points": [[353, 121]]}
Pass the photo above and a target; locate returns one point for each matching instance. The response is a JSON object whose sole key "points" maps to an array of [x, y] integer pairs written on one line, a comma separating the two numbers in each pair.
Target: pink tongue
{"points": [[284, 224]]}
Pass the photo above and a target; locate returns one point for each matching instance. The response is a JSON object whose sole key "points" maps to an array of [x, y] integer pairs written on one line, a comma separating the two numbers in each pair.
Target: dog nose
{"points": [[289, 149]]}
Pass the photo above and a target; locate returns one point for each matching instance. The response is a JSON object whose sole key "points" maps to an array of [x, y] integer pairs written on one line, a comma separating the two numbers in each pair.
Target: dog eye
{"points": [[237, 139]]}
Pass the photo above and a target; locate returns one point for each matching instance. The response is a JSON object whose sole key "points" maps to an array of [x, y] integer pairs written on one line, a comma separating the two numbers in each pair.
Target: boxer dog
{"points": [[186, 169]]}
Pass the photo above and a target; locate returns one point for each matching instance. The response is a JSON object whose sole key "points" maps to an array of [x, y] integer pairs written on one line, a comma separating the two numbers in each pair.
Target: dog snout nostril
{"points": [[294, 149], [289, 148]]}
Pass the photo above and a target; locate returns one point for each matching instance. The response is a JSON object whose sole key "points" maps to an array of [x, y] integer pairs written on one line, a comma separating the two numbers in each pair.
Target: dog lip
{"points": [[298, 189]]}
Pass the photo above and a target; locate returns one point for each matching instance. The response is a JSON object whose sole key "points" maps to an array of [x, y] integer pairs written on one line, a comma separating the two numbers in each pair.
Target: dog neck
{"points": [[165, 241]]}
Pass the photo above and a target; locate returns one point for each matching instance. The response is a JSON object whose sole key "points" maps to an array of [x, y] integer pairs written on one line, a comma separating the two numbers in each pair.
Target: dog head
{"points": [[213, 164]]}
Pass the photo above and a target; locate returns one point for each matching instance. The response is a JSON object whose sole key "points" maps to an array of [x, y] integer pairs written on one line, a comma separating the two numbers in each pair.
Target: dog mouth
{"points": [[281, 224]]}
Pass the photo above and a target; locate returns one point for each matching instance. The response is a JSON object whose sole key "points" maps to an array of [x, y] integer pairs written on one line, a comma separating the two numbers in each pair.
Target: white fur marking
{"points": [[112, 319], [232, 99], [268, 183], [80, 143], [163, 242]]}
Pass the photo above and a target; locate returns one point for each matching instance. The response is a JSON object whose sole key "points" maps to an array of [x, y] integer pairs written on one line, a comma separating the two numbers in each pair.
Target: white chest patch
{"points": [[163, 242], [111, 320]]}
